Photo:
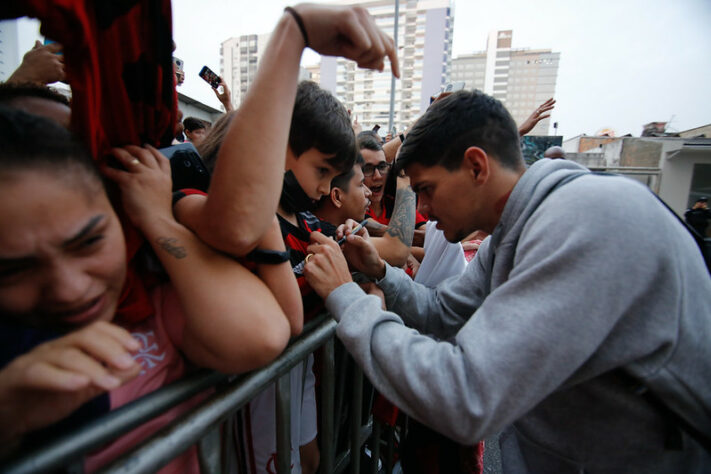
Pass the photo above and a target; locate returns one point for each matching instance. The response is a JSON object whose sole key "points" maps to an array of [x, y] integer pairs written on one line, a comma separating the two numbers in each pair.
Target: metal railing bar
{"points": [[356, 417], [375, 447], [210, 451], [92, 435], [327, 405], [283, 423], [390, 453], [175, 438], [340, 392], [342, 461]]}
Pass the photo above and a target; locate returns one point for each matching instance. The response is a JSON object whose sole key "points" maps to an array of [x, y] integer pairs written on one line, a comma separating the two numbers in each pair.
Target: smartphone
{"points": [[210, 77], [376, 128], [454, 86], [178, 64], [50, 41]]}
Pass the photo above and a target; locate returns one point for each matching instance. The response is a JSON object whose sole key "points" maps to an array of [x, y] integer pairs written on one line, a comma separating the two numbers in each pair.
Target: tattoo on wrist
{"points": [[402, 222], [169, 245]]}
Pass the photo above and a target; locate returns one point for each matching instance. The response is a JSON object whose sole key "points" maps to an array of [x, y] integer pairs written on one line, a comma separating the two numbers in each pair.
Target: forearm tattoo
{"points": [[402, 222], [169, 245]]}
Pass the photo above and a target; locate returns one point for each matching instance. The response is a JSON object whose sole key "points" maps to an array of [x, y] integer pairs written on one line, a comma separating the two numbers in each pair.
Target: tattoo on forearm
{"points": [[169, 245], [402, 222]]}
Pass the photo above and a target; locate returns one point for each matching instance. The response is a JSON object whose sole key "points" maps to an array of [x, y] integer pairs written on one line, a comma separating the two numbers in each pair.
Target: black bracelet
{"points": [[300, 22], [402, 138], [269, 257]]}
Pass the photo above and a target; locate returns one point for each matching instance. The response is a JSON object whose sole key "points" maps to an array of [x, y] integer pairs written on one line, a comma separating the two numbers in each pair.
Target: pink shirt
{"points": [[160, 337]]}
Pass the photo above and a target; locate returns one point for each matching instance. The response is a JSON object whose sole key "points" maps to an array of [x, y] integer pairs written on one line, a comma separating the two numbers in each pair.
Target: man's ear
{"points": [[476, 163], [336, 196]]}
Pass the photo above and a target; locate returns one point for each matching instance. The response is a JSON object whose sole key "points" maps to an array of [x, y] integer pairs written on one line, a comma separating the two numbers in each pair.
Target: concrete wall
{"points": [[638, 152], [704, 131], [677, 171]]}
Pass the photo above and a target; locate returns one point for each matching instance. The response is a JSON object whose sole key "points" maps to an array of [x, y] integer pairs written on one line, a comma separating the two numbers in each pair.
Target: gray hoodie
{"points": [[579, 290]]}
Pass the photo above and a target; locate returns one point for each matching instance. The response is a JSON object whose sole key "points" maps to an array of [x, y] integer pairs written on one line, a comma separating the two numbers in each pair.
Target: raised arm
{"points": [[40, 65], [541, 112], [233, 323], [246, 184]]}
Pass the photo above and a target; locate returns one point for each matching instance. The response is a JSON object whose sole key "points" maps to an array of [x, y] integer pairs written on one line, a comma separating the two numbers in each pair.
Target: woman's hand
{"points": [[146, 186], [55, 378]]}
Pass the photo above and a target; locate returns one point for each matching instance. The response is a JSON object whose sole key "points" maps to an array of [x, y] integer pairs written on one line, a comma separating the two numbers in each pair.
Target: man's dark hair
{"points": [[455, 123], [192, 123], [9, 92], [320, 121], [371, 133], [343, 180], [367, 141]]}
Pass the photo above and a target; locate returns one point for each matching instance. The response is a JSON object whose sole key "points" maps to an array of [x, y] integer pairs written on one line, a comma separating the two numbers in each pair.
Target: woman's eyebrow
{"points": [[93, 222]]}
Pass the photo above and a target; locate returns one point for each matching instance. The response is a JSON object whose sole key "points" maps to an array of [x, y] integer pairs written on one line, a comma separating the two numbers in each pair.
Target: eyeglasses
{"points": [[382, 167]]}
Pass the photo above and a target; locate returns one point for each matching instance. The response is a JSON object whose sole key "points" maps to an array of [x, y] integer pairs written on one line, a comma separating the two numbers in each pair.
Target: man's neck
{"points": [[330, 215]]}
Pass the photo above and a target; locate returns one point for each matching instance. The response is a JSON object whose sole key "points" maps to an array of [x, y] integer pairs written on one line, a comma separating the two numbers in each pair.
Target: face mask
{"points": [[293, 197]]}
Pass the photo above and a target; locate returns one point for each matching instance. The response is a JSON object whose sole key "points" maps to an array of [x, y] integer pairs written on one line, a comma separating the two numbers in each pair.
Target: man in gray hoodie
{"points": [[588, 293]]}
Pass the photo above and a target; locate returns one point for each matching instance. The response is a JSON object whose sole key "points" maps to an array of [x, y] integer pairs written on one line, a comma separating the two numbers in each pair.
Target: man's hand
{"points": [[349, 32], [225, 97], [373, 289], [40, 65], [55, 378], [326, 268], [537, 115], [362, 255], [357, 127]]}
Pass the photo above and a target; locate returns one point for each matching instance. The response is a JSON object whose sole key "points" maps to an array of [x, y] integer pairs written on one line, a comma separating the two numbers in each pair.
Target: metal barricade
{"points": [[204, 420]]}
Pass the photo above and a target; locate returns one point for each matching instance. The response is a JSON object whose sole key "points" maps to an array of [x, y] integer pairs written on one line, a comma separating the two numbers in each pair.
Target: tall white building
{"points": [[424, 53], [239, 57], [521, 78]]}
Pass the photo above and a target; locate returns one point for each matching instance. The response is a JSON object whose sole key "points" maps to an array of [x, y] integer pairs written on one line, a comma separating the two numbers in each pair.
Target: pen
{"points": [[355, 229], [340, 241]]}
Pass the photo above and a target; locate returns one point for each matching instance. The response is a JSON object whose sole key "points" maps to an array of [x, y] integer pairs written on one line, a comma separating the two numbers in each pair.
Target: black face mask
{"points": [[293, 198]]}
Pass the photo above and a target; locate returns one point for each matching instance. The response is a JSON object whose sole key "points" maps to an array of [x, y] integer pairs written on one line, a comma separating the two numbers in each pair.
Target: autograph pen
{"points": [[340, 241]]}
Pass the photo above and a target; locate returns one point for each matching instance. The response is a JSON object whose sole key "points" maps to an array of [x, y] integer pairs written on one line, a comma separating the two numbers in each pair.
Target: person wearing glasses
{"points": [[383, 197]]}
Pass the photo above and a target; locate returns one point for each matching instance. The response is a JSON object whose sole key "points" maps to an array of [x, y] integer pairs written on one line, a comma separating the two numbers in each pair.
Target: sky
{"points": [[623, 63]]}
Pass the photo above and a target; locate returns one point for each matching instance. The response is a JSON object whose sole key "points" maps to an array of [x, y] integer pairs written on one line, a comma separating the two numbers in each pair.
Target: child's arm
{"points": [[55, 378], [281, 280], [232, 321], [278, 277], [249, 172]]}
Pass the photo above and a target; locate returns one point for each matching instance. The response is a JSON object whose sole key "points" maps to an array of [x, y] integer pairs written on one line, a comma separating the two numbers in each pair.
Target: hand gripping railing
{"points": [[189, 428]]}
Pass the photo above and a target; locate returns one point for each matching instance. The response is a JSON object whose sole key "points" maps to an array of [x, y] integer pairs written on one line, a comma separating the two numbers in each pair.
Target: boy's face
{"points": [[313, 172], [357, 199]]}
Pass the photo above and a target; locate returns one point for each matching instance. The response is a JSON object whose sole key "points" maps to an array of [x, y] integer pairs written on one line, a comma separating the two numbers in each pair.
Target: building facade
{"points": [[239, 57], [521, 78], [425, 30]]}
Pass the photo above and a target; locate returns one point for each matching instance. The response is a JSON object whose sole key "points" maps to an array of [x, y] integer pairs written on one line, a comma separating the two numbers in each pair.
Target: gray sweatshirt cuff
{"points": [[390, 282], [341, 298]]}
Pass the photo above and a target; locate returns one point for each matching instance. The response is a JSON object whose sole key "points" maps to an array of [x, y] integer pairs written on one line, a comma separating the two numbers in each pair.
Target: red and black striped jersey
{"points": [[296, 239]]}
